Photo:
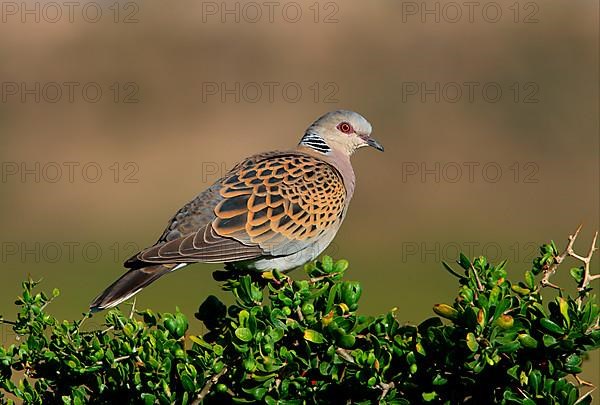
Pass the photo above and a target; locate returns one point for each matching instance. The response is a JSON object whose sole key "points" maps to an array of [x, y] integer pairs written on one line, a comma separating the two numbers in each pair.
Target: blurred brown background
{"points": [[114, 115]]}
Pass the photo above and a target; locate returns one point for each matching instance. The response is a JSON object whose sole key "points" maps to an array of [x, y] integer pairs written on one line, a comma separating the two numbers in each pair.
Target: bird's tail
{"points": [[129, 284]]}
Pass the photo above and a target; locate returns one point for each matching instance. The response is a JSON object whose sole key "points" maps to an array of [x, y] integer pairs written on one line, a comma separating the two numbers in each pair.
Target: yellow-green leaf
{"points": [[564, 309], [313, 336], [446, 311], [472, 342]]}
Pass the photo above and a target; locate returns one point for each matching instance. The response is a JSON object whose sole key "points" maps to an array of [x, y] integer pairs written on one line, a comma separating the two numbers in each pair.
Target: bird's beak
{"points": [[373, 143]]}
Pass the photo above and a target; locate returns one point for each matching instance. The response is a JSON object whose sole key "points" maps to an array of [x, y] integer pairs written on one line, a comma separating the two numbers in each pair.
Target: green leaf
{"points": [[549, 340], [327, 264], [351, 292], [521, 290], [563, 306], [332, 298], [528, 341], [347, 341], [472, 342], [243, 318], [313, 336], [446, 311], [149, 399], [439, 380], [188, 383], [551, 326], [276, 334], [577, 274], [535, 380], [200, 341], [464, 262], [505, 321], [513, 372], [249, 364], [244, 334], [451, 271], [509, 347], [572, 364], [340, 266], [530, 280]]}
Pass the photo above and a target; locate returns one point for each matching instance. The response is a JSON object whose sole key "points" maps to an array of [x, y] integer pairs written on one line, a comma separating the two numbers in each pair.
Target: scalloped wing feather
{"points": [[281, 203]]}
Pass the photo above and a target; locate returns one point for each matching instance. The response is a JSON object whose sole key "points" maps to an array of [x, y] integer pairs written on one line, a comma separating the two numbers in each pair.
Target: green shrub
{"points": [[286, 341]]}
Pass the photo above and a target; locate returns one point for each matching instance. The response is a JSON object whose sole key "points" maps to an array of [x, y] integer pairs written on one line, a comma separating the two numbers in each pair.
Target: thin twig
{"points": [[523, 393], [583, 286], [479, 285], [344, 354], [299, 313], [587, 277], [323, 277], [584, 396], [115, 360], [582, 382], [86, 316], [549, 272], [385, 389], [213, 380], [132, 308]]}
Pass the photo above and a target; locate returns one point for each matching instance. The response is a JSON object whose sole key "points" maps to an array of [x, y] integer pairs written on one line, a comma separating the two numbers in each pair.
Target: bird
{"points": [[273, 210]]}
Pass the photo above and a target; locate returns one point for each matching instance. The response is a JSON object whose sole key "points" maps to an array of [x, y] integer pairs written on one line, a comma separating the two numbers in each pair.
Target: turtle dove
{"points": [[274, 210]]}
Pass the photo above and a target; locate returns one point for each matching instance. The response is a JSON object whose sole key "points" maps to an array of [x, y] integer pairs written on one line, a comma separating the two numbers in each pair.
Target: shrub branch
{"points": [[206, 389], [569, 251], [287, 341]]}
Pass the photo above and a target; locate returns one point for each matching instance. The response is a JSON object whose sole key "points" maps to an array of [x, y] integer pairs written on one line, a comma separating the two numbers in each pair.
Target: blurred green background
{"points": [[190, 88]]}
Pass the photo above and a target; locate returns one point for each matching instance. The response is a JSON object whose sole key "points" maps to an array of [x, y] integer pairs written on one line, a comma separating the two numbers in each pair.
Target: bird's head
{"points": [[341, 130]]}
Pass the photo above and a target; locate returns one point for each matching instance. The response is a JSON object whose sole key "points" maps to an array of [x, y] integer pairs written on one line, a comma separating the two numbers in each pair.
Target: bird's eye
{"points": [[345, 127]]}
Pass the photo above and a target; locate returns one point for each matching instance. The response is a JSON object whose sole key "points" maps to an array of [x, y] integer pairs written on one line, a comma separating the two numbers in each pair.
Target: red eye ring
{"points": [[345, 127]]}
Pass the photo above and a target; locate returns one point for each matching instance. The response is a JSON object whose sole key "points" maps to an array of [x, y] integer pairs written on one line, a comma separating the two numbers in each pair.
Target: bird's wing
{"points": [[281, 203], [272, 204]]}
